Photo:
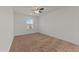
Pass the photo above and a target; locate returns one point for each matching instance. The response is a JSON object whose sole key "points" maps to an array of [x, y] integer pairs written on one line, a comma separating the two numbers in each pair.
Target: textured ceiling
{"points": [[28, 9]]}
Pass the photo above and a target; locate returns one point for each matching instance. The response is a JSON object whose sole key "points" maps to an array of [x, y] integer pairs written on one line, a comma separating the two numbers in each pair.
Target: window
{"points": [[29, 22]]}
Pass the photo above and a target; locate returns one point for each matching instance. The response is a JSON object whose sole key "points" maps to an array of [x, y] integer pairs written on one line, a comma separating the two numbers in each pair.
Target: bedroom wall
{"points": [[20, 26], [6, 28], [62, 23]]}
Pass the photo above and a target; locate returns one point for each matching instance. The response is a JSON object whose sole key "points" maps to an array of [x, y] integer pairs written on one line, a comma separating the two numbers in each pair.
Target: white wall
{"points": [[6, 28], [62, 23], [20, 26]]}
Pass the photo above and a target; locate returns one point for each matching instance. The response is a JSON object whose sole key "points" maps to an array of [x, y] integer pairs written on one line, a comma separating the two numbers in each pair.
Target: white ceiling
{"points": [[28, 9]]}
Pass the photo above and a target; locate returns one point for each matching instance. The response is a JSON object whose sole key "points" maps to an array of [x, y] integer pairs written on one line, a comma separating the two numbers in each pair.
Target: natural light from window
{"points": [[29, 22]]}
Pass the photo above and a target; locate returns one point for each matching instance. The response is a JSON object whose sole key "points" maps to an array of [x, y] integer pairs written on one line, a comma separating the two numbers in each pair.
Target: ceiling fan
{"points": [[37, 10]]}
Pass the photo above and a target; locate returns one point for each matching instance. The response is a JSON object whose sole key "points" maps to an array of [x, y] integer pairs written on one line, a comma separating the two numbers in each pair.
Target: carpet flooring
{"points": [[38, 42]]}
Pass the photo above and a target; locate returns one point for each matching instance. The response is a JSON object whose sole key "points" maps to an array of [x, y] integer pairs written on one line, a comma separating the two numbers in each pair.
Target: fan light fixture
{"points": [[37, 10]]}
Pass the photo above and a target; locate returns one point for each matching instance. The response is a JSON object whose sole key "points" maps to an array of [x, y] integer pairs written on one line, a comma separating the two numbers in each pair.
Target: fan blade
{"points": [[41, 8], [40, 12]]}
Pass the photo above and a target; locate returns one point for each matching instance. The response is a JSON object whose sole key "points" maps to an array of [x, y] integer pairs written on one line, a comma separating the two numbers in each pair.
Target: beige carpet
{"points": [[38, 42]]}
